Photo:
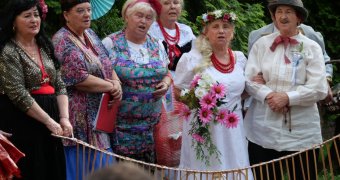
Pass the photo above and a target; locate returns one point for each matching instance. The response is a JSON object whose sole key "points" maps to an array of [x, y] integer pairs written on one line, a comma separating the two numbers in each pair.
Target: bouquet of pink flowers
{"points": [[203, 102]]}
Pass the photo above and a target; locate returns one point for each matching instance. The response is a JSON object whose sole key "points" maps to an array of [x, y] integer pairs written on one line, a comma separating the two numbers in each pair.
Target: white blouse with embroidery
{"points": [[231, 142], [186, 34], [303, 80]]}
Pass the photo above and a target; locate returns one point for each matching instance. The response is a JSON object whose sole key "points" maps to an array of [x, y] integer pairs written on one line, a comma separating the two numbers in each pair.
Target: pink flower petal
{"points": [[219, 90], [198, 138], [208, 101], [205, 115], [222, 116], [232, 120], [194, 82], [182, 111]]}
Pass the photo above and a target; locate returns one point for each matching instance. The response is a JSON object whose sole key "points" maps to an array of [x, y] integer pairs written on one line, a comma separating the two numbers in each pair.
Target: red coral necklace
{"points": [[173, 50], [224, 68]]}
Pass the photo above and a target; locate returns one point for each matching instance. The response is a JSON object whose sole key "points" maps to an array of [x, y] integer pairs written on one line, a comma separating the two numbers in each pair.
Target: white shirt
{"points": [[231, 142], [267, 128], [139, 53], [185, 32]]}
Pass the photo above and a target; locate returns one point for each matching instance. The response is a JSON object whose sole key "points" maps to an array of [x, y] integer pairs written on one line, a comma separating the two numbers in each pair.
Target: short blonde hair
{"points": [[132, 6]]}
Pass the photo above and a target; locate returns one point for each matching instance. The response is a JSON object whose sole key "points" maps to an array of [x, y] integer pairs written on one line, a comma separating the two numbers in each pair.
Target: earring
{"points": [[14, 28]]}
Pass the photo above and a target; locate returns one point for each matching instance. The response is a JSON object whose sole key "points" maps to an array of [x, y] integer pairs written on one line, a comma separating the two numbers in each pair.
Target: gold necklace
{"points": [[31, 54]]}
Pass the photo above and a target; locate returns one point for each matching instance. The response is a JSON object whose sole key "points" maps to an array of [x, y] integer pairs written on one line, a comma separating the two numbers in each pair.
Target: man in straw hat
{"points": [[305, 29], [283, 118]]}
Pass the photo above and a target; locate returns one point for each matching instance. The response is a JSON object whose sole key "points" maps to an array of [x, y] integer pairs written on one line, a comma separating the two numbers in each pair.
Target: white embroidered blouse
{"points": [[304, 88]]}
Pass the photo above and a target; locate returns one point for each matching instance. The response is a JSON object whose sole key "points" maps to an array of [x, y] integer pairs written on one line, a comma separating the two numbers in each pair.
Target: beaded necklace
{"points": [[224, 68], [173, 50]]}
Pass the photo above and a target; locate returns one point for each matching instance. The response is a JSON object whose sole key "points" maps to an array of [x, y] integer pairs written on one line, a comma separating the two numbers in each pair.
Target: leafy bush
{"points": [[108, 24], [105, 25], [249, 18], [325, 17]]}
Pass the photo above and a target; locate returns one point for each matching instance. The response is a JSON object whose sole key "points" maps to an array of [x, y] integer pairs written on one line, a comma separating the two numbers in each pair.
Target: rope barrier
{"points": [[325, 168]]}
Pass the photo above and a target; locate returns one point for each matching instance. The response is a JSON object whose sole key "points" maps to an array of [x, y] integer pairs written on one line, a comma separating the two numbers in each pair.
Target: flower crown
{"points": [[218, 14]]}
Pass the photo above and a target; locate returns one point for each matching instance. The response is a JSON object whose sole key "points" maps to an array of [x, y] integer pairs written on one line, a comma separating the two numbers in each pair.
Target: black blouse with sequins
{"points": [[19, 75]]}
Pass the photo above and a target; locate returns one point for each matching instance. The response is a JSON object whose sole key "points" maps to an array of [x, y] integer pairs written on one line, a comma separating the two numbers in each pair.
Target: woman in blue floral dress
{"points": [[140, 62]]}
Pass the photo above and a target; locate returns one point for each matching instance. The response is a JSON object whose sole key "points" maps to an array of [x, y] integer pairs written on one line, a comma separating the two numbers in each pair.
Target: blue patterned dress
{"points": [[139, 111]]}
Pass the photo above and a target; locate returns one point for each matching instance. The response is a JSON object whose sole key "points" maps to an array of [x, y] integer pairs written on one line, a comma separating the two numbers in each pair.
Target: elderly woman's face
{"points": [[219, 32], [79, 16], [171, 10], [139, 23], [27, 23], [286, 20]]}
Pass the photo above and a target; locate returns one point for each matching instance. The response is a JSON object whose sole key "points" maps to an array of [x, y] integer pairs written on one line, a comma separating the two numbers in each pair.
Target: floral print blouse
{"points": [[139, 110], [77, 63]]}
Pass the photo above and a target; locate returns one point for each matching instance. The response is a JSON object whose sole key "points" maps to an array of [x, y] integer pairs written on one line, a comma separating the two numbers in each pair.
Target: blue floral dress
{"points": [[139, 111]]}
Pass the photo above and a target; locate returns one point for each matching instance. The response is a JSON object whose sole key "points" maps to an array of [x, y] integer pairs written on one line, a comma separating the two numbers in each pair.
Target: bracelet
{"points": [[61, 117]]}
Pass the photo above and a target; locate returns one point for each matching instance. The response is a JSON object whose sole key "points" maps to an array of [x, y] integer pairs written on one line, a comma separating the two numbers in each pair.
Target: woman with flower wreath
{"points": [[283, 117], [33, 98], [213, 136]]}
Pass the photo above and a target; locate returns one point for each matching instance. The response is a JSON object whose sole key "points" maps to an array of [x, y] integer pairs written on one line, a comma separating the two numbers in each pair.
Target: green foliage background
{"points": [[249, 17], [324, 17]]}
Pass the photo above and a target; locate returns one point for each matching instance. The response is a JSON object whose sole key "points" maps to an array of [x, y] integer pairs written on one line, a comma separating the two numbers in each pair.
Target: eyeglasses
{"points": [[82, 11]]}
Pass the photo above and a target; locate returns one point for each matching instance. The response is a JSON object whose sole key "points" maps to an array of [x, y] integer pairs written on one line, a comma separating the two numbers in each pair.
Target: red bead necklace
{"points": [[224, 68], [167, 36], [173, 50]]}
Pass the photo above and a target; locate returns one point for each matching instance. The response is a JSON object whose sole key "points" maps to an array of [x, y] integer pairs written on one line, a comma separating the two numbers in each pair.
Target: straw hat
{"points": [[296, 4]]}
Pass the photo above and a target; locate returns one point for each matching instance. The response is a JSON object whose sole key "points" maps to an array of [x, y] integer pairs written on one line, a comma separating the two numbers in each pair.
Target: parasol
{"points": [[100, 7]]}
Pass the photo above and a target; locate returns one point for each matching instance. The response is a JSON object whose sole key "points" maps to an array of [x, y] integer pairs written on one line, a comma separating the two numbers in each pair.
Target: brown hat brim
{"points": [[302, 11]]}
